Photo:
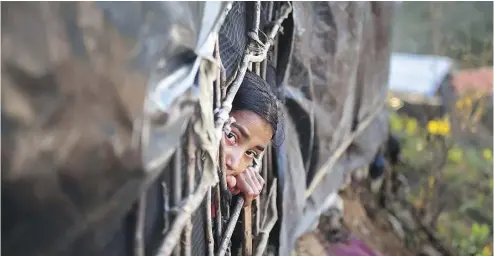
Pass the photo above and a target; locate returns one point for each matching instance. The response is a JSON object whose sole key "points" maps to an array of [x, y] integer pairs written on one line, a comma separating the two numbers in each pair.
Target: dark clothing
{"points": [[376, 168]]}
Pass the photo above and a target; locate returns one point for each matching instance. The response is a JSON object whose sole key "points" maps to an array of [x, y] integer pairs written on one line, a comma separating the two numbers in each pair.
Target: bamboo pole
{"points": [[139, 248], [184, 213], [177, 188], [247, 228], [209, 226], [230, 227], [267, 225], [328, 165], [191, 169]]}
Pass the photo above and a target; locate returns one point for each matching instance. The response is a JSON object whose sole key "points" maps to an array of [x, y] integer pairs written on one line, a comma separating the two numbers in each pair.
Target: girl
{"points": [[256, 113]]}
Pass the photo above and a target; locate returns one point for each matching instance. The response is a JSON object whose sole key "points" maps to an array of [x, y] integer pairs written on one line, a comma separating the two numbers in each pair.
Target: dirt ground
{"points": [[378, 236]]}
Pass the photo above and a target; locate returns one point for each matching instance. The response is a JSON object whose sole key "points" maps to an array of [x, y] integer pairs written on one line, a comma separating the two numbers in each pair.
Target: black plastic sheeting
{"points": [[79, 78], [337, 75], [75, 76]]}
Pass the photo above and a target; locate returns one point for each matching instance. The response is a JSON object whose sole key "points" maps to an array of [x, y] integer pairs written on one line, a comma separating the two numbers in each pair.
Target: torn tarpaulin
{"points": [[75, 76]]}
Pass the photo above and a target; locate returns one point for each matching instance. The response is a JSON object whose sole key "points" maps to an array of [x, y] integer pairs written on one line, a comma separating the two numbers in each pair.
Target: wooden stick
{"points": [[269, 170], [139, 234], [177, 188], [209, 226], [257, 219], [166, 208], [224, 204], [267, 225], [219, 219], [327, 166], [260, 70], [191, 169], [247, 228], [230, 227], [183, 215]]}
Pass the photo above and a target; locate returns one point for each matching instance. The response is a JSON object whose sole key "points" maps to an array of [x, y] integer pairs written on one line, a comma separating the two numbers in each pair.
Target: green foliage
{"points": [[463, 30], [466, 178], [474, 243]]}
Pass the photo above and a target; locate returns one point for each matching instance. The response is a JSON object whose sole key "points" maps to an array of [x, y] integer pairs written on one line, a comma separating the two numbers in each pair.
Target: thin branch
{"points": [[285, 11], [224, 202], [217, 87], [177, 188], [247, 228], [209, 226], [139, 234], [191, 170], [166, 207], [257, 20], [257, 219], [250, 56], [184, 214], [230, 227], [258, 68], [327, 166], [219, 219], [267, 225]]}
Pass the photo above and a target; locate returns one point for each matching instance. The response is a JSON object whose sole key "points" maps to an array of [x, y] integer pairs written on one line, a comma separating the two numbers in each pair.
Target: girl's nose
{"points": [[232, 160]]}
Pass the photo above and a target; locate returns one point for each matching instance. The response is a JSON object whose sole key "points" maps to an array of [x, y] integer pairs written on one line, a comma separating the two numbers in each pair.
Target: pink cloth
{"points": [[353, 247]]}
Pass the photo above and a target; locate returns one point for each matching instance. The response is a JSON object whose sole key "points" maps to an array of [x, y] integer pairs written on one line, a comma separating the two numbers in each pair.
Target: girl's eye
{"points": [[231, 138], [251, 154]]}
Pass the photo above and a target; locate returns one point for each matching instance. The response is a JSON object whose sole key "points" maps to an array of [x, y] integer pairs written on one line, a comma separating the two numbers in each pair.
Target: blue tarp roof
{"points": [[422, 74]]}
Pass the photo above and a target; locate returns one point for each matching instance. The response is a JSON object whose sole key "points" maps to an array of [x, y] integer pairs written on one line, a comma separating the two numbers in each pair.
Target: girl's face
{"points": [[249, 136]]}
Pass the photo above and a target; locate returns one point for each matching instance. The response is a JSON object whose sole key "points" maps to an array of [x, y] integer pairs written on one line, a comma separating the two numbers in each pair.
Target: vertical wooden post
{"points": [[139, 234], [191, 169], [247, 228], [209, 224], [177, 188]]}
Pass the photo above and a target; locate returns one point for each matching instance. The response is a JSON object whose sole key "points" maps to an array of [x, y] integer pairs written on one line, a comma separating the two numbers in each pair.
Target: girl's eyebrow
{"points": [[242, 130], [245, 132]]}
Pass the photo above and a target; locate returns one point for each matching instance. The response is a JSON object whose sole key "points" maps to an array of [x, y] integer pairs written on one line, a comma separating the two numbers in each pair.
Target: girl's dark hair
{"points": [[256, 95]]}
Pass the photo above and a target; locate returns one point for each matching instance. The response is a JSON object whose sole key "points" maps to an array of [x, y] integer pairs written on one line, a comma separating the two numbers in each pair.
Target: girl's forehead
{"points": [[257, 127]]}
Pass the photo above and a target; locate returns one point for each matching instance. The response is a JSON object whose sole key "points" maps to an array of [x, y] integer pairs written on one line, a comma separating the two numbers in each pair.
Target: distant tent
{"points": [[422, 83], [421, 74]]}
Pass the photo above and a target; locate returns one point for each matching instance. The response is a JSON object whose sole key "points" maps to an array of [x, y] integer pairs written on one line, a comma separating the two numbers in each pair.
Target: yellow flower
{"points": [[433, 127], [441, 127], [444, 128], [487, 154]]}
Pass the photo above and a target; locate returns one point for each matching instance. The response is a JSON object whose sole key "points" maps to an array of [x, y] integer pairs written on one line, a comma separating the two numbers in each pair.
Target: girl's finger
{"points": [[231, 182], [255, 180], [245, 185], [252, 183], [260, 179]]}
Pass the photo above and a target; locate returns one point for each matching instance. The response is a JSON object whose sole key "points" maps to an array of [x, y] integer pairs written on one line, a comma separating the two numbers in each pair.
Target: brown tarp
{"points": [[75, 76], [338, 73]]}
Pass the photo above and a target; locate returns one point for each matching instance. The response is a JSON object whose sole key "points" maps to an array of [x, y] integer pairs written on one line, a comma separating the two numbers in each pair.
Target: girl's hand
{"points": [[249, 182]]}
